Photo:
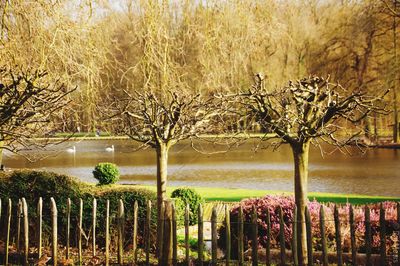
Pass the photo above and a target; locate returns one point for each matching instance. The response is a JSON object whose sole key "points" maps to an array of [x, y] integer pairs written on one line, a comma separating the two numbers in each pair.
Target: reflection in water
{"points": [[374, 173]]}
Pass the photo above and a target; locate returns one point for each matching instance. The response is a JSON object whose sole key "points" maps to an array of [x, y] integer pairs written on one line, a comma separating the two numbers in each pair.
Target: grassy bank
{"points": [[232, 195]]}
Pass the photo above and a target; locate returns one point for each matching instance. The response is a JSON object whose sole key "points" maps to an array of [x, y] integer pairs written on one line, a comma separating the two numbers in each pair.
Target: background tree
{"points": [[67, 39], [304, 112], [28, 105]]}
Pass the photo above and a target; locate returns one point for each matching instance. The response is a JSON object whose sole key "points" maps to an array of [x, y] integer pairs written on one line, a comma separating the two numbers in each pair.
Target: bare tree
{"points": [[28, 105], [304, 112], [161, 121]]}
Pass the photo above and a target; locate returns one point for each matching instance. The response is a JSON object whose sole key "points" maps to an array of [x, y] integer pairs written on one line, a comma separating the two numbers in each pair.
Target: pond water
{"points": [[375, 172]]}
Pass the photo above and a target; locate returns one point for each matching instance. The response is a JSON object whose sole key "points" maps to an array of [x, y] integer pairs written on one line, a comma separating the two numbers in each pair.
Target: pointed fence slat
{"points": [[187, 210], [68, 227], [323, 236], [228, 236], [107, 255], [282, 236], [254, 237], [135, 228], [121, 220], [80, 221], [214, 235], [268, 244], [147, 232], [9, 210], [200, 239], [94, 214], [368, 237], [382, 224], [294, 237], [26, 230], [19, 214], [352, 236], [240, 237], [174, 237], [160, 232], [310, 258], [39, 226], [54, 230], [338, 236]]}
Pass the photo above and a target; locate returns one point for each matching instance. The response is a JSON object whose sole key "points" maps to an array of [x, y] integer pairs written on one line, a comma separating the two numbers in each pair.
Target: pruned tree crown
{"points": [[310, 108]]}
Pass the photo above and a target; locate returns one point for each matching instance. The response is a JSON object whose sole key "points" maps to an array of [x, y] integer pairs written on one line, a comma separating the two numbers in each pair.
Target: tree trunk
{"points": [[300, 156], [162, 164], [395, 109]]}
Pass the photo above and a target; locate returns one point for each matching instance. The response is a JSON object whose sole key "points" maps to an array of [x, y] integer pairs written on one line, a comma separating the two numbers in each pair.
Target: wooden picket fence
{"points": [[169, 224]]}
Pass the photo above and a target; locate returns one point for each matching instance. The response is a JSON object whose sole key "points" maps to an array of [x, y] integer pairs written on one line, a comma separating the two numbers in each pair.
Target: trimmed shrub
{"points": [[106, 173], [191, 197]]}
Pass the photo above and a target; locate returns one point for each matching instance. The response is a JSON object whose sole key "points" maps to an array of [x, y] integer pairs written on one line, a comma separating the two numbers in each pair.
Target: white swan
{"points": [[71, 150], [110, 148]]}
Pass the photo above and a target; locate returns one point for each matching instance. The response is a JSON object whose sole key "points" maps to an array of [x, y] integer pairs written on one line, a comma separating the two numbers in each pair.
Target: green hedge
{"points": [[35, 184]]}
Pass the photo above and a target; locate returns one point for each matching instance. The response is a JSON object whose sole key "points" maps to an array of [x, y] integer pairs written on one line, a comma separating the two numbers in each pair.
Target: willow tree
{"points": [[28, 106], [305, 112]]}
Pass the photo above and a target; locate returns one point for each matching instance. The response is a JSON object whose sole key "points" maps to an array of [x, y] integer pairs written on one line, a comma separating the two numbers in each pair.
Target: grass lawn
{"points": [[232, 195]]}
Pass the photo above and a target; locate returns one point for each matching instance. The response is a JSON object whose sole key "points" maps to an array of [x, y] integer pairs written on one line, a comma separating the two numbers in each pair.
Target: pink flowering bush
{"points": [[272, 203]]}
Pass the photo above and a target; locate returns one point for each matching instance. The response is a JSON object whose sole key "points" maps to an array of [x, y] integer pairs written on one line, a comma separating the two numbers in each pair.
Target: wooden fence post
{"points": [[240, 236], [39, 226], [160, 233], [309, 237], [121, 220], [338, 237], [174, 237], [294, 237], [254, 237], [54, 230], [107, 255], [135, 228], [214, 236], [147, 230], [282, 236], [80, 221], [187, 210], [19, 214], [200, 240], [268, 244], [9, 209], [68, 227], [228, 235], [382, 224], [323, 236], [26, 230], [368, 237], [94, 211], [352, 236]]}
